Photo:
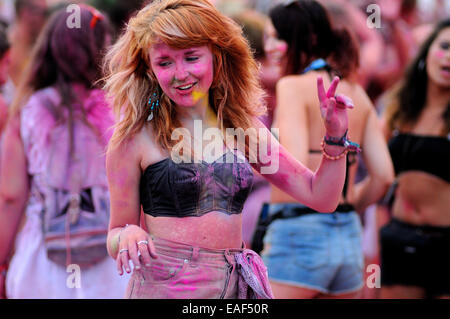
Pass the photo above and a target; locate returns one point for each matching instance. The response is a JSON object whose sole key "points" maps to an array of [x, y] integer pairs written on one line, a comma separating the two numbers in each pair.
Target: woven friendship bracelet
{"points": [[343, 141]]}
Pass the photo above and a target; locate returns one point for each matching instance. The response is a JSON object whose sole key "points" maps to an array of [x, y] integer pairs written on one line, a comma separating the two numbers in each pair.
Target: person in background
{"points": [[30, 18], [398, 18], [4, 64], [345, 14], [7, 11], [415, 242], [55, 93], [253, 23], [118, 11], [5, 60], [308, 254]]}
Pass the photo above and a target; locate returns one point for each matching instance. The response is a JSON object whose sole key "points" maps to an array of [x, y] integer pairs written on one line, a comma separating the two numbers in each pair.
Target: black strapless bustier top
{"points": [[430, 154], [194, 189]]}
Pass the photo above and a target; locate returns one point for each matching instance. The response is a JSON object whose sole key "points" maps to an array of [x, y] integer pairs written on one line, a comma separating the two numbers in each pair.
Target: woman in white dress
{"points": [[58, 89]]}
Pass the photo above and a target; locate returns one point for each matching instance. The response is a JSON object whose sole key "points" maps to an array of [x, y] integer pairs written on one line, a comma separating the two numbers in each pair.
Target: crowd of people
{"points": [[224, 149]]}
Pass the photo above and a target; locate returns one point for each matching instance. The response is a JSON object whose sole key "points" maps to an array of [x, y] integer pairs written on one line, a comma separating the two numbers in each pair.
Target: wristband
{"points": [[343, 141]]}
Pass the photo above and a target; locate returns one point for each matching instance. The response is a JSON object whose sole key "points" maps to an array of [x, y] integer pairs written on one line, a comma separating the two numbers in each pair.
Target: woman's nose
{"points": [[181, 73], [269, 45]]}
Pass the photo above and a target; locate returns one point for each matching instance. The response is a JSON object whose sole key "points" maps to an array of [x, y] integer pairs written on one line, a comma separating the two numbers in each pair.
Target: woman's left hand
{"points": [[333, 108]]}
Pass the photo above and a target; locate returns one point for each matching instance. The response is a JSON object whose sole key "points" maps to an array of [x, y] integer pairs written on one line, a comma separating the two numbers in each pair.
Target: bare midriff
{"points": [[215, 230], [422, 199]]}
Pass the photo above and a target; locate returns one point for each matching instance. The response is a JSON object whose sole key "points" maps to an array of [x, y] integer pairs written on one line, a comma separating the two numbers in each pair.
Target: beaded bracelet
{"points": [[332, 158]]}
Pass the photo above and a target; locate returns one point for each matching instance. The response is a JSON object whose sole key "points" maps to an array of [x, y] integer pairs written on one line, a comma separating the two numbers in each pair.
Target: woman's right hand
{"points": [[134, 242], [333, 108]]}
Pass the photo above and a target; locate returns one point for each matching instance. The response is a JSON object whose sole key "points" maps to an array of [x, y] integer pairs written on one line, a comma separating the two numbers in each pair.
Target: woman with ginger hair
{"points": [[177, 62]]}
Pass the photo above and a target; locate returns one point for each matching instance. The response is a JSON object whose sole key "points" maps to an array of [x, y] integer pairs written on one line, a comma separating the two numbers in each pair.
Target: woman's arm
{"points": [[14, 186], [379, 166], [123, 171], [319, 190]]}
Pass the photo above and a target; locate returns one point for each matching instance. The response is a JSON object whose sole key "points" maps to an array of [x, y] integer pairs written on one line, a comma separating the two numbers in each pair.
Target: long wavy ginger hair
{"points": [[235, 94]]}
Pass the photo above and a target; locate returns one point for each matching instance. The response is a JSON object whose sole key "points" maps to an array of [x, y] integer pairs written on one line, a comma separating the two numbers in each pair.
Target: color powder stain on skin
{"points": [[408, 206], [197, 95], [440, 54], [185, 288], [282, 178]]}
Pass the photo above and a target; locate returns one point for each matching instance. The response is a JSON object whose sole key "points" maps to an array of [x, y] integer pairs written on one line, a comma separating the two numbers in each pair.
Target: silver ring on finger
{"points": [[145, 242], [122, 250]]}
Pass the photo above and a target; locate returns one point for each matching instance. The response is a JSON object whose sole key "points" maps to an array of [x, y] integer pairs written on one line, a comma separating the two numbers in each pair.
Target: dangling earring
{"points": [[153, 101]]}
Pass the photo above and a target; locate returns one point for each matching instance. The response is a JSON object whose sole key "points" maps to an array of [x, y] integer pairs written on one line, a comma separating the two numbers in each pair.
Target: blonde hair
{"points": [[235, 94]]}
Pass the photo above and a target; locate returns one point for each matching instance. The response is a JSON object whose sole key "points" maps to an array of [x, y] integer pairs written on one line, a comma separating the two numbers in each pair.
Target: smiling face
{"points": [[274, 47], [185, 75], [438, 59]]}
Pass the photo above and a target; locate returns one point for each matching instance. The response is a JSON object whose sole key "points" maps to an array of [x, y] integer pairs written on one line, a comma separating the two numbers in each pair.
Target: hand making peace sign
{"points": [[333, 108]]}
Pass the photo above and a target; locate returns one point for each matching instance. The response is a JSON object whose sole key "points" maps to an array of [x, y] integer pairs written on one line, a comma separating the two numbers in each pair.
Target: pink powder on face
{"points": [[282, 47], [175, 68], [440, 54]]}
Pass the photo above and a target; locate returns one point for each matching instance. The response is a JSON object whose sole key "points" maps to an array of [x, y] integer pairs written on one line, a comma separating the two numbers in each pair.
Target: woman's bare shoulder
{"points": [[294, 91], [295, 81], [146, 145]]}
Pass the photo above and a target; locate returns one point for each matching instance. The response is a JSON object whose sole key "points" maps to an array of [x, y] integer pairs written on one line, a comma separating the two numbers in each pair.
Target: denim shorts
{"points": [[319, 251], [182, 271]]}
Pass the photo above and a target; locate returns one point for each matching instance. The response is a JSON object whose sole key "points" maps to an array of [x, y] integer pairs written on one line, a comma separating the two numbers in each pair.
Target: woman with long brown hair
{"points": [[417, 124], [56, 101], [182, 70]]}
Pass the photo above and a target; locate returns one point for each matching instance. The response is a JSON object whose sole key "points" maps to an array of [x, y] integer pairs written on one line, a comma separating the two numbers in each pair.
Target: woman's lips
{"points": [[186, 88], [445, 71]]}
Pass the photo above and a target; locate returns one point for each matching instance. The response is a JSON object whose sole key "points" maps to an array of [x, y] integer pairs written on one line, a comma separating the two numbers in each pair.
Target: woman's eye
{"points": [[191, 58], [445, 45], [163, 64]]}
